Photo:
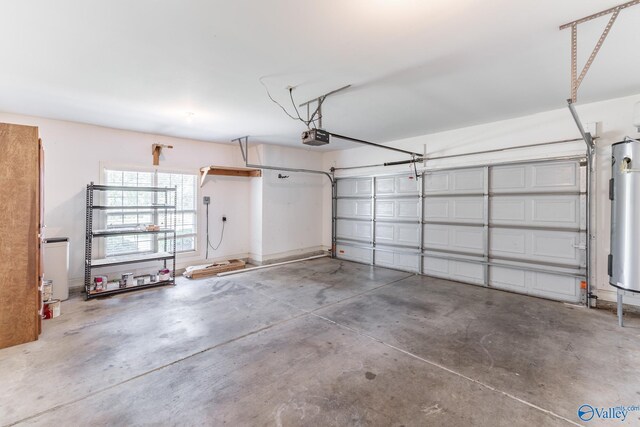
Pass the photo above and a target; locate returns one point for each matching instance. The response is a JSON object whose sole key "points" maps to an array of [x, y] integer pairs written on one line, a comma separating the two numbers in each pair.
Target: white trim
{"points": [[246, 270], [266, 258], [610, 295]]}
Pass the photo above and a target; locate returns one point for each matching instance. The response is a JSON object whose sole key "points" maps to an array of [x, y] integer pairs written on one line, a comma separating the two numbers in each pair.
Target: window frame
{"points": [[191, 253]]}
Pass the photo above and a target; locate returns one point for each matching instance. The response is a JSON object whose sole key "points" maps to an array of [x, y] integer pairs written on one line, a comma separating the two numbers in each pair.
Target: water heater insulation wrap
{"points": [[624, 261]]}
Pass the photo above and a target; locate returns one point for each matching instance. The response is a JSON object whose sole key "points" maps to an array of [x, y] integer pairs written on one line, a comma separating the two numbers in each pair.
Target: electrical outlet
{"points": [[206, 200], [224, 218]]}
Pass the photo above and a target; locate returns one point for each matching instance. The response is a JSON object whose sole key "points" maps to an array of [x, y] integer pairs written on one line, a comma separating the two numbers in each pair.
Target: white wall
{"points": [[293, 206], [256, 228], [75, 154], [615, 122]]}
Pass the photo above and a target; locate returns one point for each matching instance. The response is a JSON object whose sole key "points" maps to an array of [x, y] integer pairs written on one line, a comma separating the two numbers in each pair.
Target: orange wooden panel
{"points": [[19, 231]]}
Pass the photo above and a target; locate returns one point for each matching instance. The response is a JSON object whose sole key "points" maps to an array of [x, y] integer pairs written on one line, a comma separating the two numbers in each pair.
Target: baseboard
{"points": [[288, 256], [611, 296]]}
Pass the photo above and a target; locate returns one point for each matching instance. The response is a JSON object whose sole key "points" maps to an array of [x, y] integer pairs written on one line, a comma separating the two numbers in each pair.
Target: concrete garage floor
{"points": [[321, 342]]}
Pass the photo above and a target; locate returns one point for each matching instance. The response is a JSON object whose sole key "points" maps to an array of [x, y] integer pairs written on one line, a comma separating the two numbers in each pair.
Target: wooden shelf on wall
{"points": [[228, 171]]}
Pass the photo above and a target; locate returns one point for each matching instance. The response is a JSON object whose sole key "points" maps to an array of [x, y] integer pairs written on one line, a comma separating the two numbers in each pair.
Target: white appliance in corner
{"points": [[56, 265]]}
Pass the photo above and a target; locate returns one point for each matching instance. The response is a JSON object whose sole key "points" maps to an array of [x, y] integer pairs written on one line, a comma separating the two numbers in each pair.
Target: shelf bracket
{"points": [[204, 172], [156, 150]]}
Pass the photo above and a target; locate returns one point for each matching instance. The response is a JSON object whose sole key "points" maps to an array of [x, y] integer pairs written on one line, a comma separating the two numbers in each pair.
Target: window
{"points": [[185, 220]]}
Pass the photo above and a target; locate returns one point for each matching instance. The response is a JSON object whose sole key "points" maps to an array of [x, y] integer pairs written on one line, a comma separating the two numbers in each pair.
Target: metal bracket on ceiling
{"points": [[319, 100], [243, 149], [576, 80]]}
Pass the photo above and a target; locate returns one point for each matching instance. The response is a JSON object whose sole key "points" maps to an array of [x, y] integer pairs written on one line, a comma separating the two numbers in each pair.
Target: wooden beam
{"points": [[228, 171], [20, 274], [232, 172], [156, 149]]}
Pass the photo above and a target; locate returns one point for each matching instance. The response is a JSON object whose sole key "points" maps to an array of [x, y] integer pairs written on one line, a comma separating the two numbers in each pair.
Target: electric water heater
{"points": [[624, 192]]}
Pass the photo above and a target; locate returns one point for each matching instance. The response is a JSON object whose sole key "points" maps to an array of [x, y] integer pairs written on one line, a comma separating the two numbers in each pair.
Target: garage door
{"points": [[379, 221], [519, 227]]}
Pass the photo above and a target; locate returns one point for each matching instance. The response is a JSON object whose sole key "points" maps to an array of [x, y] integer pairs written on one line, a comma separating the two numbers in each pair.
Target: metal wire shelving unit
{"points": [[168, 233]]}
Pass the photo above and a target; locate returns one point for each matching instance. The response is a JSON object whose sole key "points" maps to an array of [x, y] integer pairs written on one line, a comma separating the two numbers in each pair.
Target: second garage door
{"points": [[520, 227]]}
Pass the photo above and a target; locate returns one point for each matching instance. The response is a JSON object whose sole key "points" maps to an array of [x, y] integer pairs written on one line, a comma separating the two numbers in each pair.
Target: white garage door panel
{"points": [[454, 209], [355, 187], [356, 230], [403, 209], [556, 247], [455, 181], [466, 272], [508, 278], [537, 177], [436, 267], [538, 211], [351, 253], [397, 185], [554, 286], [352, 208], [400, 261], [535, 212], [548, 285], [457, 238], [398, 234]]}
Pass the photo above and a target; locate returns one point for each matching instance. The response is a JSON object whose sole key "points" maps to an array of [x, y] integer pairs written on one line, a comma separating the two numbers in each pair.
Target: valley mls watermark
{"points": [[588, 412]]}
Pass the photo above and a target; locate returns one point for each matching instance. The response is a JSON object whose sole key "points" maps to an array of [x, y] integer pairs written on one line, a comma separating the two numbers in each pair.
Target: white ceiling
{"points": [[415, 66]]}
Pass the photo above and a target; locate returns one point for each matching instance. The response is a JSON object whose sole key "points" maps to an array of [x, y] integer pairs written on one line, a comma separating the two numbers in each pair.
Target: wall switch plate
{"points": [[206, 200]]}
